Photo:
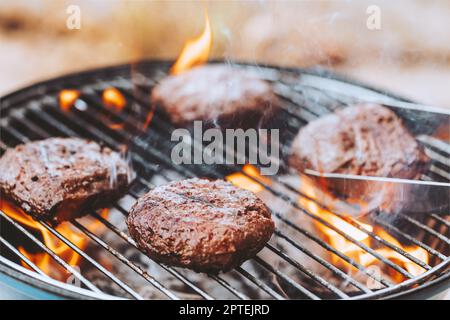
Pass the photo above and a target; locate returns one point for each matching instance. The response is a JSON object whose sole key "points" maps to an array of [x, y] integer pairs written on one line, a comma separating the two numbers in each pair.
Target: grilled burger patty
{"points": [[207, 226], [58, 179], [361, 140], [229, 97]]}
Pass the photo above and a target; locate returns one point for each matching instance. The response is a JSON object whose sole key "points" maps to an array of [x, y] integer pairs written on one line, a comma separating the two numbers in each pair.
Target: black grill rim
{"points": [[435, 285]]}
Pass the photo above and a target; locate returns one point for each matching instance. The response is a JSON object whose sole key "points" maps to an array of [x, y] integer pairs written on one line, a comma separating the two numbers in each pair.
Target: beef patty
{"points": [[219, 94], [365, 140], [61, 178], [207, 226]]}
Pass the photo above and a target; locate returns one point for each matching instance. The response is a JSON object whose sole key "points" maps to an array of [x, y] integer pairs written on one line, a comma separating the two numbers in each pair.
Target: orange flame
{"points": [[116, 126], [195, 51], [42, 260], [67, 98], [242, 181], [148, 118], [113, 98], [335, 239], [355, 252]]}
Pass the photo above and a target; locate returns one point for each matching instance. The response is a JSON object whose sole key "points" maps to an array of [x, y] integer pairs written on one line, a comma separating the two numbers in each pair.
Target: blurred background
{"points": [[409, 55]]}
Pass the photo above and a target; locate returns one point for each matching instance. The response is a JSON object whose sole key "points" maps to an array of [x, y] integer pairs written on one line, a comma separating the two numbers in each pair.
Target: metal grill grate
{"points": [[33, 113]]}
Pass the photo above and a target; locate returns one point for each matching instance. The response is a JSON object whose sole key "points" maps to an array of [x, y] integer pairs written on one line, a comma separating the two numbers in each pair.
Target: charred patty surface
{"points": [[230, 97], [207, 226], [363, 140], [60, 178], [368, 140]]}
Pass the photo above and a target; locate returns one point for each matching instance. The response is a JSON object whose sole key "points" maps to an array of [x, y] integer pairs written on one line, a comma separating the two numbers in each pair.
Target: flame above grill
{"points": [[245, 181], [67, 98], [354, 251], [42, 260], [336, 240], [195, 51], [113, 98]]}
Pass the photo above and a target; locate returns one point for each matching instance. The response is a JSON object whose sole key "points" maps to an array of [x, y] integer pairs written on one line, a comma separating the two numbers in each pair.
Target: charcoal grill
{"points": [[34, 113]]}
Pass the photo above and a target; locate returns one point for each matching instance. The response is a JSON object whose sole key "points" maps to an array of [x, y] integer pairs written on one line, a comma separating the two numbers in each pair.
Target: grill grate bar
{"points": [[334, 101], [102, 269], [259, 283], [386, 243], [410, 238], [53, 255], [3, 146], [334, 251], [425, 228], [283, 276], [289, 261], [127, 262], [325, 223], [123, 259], [125, 213], [339, 273], [22, 257], [295, 99], [312, 275]]}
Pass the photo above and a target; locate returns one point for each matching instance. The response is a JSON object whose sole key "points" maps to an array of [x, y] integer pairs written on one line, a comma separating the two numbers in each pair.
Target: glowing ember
{"points": [[67, 98], [113, 98], [195, 51], [42, 260], [355, 252], [116, 126], [148, 119], [245, 182]]}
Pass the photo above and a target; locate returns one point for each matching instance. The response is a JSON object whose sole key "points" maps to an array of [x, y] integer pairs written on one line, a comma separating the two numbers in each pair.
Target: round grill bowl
{"points": [[335, 88]]}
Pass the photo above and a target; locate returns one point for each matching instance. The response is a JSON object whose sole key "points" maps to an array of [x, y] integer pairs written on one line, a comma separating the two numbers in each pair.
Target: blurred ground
{"points": [[410, 55]]}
